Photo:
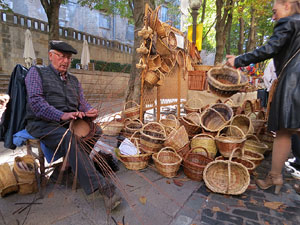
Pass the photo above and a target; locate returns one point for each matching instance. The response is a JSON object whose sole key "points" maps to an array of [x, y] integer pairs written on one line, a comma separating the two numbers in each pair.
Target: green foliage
{"points": [[4, 6], [106, 66]]}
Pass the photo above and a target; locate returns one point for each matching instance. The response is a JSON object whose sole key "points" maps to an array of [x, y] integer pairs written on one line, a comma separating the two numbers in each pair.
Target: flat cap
{"points": [[62, 47]]}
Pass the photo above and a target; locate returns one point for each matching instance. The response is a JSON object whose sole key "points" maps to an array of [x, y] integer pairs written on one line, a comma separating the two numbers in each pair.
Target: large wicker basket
{"points": [[225, 81], [207, 141], [226, 142], [132, 112], [254, 144], [177, 139], [152, 137], [170, 123], [167, 162], [191, 122], [194, 164], [243, 122], [226, 177]]}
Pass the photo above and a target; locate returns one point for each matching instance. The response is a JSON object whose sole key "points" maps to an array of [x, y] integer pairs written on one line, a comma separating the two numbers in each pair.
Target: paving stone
{"points": [[248, 222], [210, 221], [203, 190], [257, 208], [246, 213], [182, 220], [223, 207], [230, 218], [192, 206], [256, 194], [292, 210], [270, 219], [226, 199], [208, 212]]}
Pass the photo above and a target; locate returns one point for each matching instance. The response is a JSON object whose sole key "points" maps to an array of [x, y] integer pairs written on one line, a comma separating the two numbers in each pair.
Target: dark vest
{"points": [[63, 95]]}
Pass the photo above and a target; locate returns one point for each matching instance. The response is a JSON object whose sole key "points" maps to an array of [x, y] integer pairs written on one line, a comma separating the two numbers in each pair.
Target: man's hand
{"points": [[72, 115], [92, 113], [230, 60]]}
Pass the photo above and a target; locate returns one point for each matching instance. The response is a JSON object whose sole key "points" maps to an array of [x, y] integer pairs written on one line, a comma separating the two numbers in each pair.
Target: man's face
{"points": [[60, 60]]}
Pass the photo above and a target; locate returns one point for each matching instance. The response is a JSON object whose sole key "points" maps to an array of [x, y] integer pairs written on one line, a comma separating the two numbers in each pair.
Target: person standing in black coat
{"points": [[284, 119]]}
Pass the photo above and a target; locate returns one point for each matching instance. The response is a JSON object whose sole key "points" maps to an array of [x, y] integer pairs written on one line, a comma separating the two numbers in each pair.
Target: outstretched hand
{"points": [[230, 60]]}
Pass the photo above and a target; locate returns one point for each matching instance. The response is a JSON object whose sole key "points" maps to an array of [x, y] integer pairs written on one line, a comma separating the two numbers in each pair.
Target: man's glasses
{"points": [[61, 57]]}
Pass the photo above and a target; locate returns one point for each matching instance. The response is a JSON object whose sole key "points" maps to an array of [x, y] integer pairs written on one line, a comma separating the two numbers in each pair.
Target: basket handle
{"points": [[131, 102], [200, 147], [243, 135], [170, 149], [222, 117], [161, 126], [203, 135], [191, 151], [229, 165], [239, 76], [171, 117], [252, 136]]}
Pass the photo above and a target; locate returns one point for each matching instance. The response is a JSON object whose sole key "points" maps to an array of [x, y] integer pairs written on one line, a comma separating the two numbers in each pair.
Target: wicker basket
{"points": [[191, 124], [207, 141], [194, 164], [254, 144], [167, 162], [227, 143], [258, 120], [254, 157], [193, 105], [154, 62], [177, 138], [162, 48], [247, 107], [152, 137], [132, 112], [243, 122], [225, 81], [226, 177], [241, 159], [172, 41], [131, 126], [266, 137], [8, 183], [113, 127], [152, 77], [170, 124], [215, 117], [184, 150]]}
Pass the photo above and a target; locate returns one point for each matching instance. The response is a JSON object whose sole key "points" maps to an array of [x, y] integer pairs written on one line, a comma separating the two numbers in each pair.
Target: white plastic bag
{"points": [[128, 148]]}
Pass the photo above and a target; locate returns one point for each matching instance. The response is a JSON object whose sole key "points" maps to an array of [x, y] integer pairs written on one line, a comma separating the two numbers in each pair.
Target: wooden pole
{"points": [[178, 70]]}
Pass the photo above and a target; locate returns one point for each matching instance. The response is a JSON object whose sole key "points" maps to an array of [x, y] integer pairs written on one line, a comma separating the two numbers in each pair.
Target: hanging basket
{"points": [[227, 142], [154, 62], [193, 105], [8, 183], [162, 49], [167, 162], [152, 137], [225, 81], [243, 122], [194, 164], [254, 144], [132, 112], [207, 141], [226, 177]]}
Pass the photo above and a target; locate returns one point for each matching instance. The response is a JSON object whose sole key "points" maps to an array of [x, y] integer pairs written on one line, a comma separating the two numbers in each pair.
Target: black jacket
{"points": [[283, 44], [13, 118]]}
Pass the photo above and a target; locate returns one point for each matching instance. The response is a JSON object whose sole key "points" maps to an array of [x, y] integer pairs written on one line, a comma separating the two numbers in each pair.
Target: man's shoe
{"points": [[292, 166]]}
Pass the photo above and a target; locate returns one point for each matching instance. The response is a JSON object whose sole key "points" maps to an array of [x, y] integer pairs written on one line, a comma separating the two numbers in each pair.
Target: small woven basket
{"points": [[169, 124], [152, 137], [177, 139], [8, 183], [225, 81], [152, 77], [167, 162], [258, 120], [254, 144], [193, 105], [191, 122], [162, 48], [184, 150], [207, 141], [131, 126], [247, 107], [226, 143], [154, 62], [243, 122], [226, 177], [133, 112], [254, 157], [113, 127], [194, 164]]}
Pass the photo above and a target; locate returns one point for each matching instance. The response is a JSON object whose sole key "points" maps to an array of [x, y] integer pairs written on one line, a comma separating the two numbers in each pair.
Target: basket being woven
{"points": [[207, 141], [167, 162], [226, 177], [225, 81]]}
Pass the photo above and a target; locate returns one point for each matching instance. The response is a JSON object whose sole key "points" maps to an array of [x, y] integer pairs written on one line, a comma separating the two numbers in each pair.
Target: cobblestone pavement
{"points": [[154, 200]]}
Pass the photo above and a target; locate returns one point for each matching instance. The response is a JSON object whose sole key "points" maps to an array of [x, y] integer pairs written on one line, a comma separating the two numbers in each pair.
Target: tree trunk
{"points": [[251, 43], [52, 10], [134, 83], [203, 11], [224, 15], [242, 31], [228, 45]]}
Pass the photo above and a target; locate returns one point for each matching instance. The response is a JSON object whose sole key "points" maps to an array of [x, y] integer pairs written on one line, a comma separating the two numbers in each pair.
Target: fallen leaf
{"points": [[273, 205], [50, 195], [244, 196], [216, 209], [241, 203], [143, 200], [168, 181], [267, 223], [253, 201], [177, 182]]}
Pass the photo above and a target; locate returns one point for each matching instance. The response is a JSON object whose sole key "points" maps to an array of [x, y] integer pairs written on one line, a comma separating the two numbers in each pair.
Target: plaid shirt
{"points": [[38, 104]]}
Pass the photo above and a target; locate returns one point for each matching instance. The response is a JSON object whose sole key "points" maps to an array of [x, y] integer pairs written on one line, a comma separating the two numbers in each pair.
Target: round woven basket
{"points": [[167, 162], [113, 127], [254, 157], [225, 81], [207, 141], [191, 122], [226, 177], [131, 126], [243, 122], [194, 164], [193, 105], [241, 159], [215, 117], [132, 112], [253, 143], [170, 124], [227, 143], [177, 139], [8, 183], [258, 120], [247, 107], [152, 137]]}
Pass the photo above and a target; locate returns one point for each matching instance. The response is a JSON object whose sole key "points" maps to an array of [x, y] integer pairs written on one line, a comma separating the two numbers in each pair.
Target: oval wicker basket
{"points": [[170, 124], [227, 143], [194, 164], [131, 126], [177, 139], [225, 81], [226, 177], [167, 162], [254, 144], [258, 120], [215, 117], [243, 122], [254, 157], [191, 122], [113, 127], [207, 141], [193, 105], [132, 112]]}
